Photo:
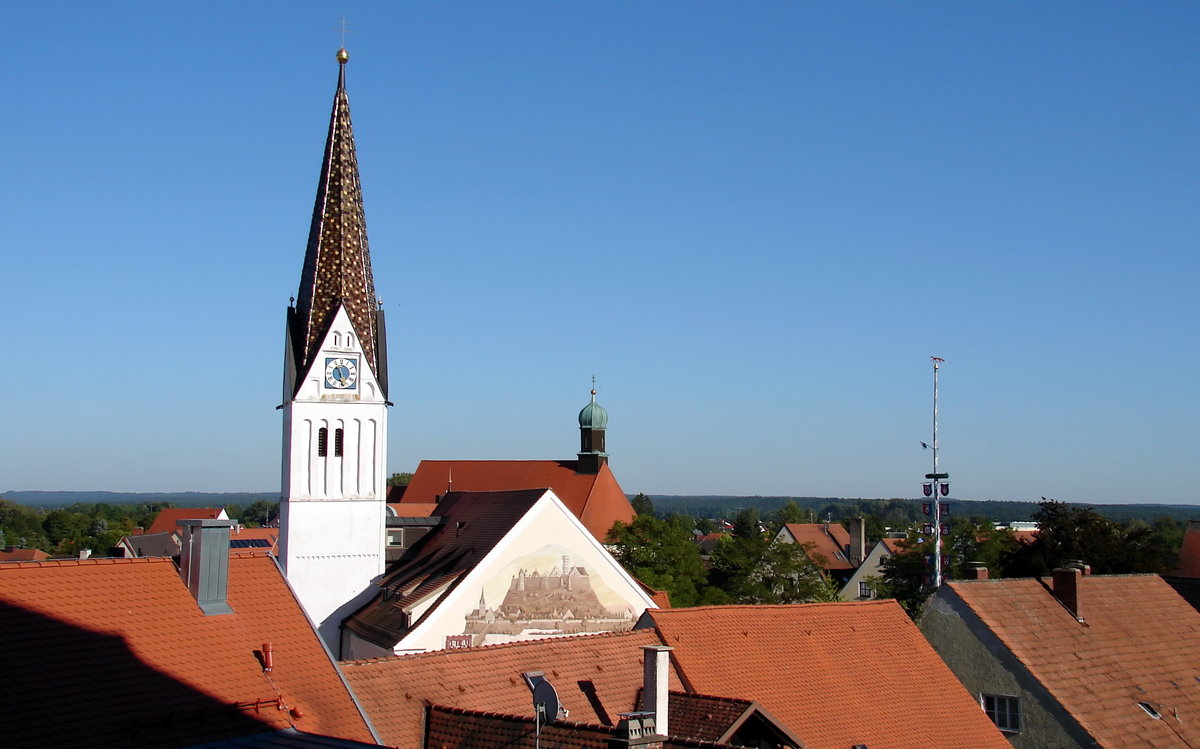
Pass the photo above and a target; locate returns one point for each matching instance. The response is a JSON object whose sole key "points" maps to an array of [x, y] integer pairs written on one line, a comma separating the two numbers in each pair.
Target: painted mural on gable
{"points": [[544, 594]]}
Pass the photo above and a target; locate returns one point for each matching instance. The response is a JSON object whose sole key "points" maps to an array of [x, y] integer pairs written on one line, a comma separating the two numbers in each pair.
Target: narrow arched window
{"points": [[339, 441], [322, 442]]}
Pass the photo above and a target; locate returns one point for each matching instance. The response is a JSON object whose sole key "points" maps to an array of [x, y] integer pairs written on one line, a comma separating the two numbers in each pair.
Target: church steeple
{"points": [[337, 263]]}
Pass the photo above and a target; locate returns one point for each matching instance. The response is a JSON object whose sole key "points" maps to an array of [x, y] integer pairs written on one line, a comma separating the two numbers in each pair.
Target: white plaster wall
{"points": [[548, 523]]}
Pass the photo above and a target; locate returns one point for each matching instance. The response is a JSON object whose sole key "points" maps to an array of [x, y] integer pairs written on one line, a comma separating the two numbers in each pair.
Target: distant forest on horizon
{"points": [[699, 506]]}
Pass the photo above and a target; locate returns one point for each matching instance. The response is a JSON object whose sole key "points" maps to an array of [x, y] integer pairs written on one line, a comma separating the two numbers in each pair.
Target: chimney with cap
{"points": [[858, 540], [656, 670], [976, 571], [204, 563]]}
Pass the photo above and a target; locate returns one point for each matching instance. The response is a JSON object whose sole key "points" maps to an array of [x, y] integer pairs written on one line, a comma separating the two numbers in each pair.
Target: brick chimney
{"points": [[656, 671], [1067, 589], [976, 571], [204, 563], [858, 540]]}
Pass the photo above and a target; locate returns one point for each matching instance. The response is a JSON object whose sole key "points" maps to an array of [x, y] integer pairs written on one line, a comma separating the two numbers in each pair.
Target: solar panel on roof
{"points": [[249, 543]]}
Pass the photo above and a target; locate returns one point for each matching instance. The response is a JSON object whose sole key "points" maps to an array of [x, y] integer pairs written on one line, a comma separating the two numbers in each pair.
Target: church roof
{"points": [[337, 264], [596, 499]]}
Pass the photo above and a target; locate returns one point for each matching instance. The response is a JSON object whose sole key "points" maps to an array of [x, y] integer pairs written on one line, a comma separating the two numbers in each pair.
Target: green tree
{"points": [[661, 554], [1075, 532], [754, 569], [642, 505], [905, 575], [259, 513], [400, 479], [791, 512]]}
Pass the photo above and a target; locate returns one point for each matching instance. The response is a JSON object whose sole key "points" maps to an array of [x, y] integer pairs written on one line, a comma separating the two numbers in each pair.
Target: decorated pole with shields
{"points": [[937, 486]]}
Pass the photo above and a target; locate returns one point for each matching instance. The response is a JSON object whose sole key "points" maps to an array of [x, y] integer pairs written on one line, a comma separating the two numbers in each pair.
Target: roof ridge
{"points": [[90, 562], [501, 645]]}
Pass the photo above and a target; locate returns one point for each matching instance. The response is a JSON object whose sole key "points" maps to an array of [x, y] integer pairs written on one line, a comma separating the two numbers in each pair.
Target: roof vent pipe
{"points": [[204, 563], [656, 669]]}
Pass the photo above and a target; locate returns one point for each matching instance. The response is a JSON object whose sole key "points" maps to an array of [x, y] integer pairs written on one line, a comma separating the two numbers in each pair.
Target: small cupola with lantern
{"points": [[593, 420]]}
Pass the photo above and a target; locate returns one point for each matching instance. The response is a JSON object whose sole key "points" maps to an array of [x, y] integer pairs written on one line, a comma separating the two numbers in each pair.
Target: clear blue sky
{"points": [[753, 222]]}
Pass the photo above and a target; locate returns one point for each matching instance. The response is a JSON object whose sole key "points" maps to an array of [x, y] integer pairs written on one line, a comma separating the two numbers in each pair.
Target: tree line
{"points": [[98, 526]]}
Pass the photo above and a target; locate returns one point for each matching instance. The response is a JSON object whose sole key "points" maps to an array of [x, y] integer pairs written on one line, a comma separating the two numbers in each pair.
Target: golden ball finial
{"points": [[343, 56]]}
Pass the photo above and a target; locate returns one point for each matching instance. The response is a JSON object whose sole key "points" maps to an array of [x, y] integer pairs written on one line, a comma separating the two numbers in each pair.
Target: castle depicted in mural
{"points": [[559, 602]]}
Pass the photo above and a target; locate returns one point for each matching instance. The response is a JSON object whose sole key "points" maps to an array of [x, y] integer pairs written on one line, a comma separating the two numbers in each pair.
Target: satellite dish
{"points": [[546, 706]]}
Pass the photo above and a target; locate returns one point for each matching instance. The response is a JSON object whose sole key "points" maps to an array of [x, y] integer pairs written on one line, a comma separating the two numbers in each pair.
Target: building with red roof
{"points": [[477, 697], [120, 652], [838, 675], [167, 520], [829, 546], [858, 586], [13, 554], [1078, 660], [586, 485]]}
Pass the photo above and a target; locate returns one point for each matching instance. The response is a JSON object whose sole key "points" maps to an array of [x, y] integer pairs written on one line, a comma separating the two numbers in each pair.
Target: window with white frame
{"points": [[864, 591], [1004, 710]]}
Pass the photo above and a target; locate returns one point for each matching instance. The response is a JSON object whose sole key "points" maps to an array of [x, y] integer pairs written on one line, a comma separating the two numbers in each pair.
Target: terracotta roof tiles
{"points": [[1138, 643], [597, 677], [168, 519], [836, 674], [596, 499], [829, 540], [117, 650]]}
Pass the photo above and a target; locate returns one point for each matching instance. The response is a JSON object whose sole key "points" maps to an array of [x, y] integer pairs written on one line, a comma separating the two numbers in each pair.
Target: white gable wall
{"points": [[537, 542]]}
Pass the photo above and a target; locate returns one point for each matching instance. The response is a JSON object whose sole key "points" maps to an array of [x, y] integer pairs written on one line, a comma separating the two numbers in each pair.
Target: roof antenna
{"points": [[450, 479]]}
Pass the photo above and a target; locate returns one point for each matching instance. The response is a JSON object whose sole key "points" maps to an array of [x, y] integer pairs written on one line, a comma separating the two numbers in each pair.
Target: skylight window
{"points": [[1150, 710]]}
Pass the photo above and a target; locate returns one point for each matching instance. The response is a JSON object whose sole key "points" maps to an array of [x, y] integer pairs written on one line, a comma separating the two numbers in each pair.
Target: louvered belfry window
{"points": [[322, 442], [339, 441]]}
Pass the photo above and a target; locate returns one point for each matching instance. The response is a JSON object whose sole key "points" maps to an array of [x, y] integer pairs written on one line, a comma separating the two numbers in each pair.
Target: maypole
{"points": [[937, 486]]}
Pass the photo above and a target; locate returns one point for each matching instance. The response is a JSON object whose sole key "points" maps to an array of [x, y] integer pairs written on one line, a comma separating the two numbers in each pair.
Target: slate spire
{"points": [[337, 264]]}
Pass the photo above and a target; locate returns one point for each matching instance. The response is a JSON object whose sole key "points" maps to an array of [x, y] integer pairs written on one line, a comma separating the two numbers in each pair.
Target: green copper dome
{"points": [[593, 416]]}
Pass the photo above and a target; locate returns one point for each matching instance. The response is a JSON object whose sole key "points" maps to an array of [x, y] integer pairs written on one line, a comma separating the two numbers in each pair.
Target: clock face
{"points": [[341, 373]]}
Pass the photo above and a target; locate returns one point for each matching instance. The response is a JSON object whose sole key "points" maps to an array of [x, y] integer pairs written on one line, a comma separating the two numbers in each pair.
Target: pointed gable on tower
{"points": [[337, 263]]}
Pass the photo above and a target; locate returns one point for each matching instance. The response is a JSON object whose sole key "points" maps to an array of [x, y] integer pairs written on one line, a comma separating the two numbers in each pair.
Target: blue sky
{"points": [[753, 222]]}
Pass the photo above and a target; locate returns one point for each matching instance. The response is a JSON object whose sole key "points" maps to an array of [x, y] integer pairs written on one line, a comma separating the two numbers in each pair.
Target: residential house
{"points": [[1077, 660], [168, 520], [837, 675], [858, 586], [140, 652], [835, 550]]}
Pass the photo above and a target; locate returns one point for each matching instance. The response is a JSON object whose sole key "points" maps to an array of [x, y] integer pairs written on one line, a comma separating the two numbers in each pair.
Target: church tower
{"points": [[332, 506], [593, 420]]}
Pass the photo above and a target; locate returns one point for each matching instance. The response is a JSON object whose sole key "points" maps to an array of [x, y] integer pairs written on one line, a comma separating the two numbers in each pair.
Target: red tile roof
{"points": [[828, 539], [597, 677], [166, 520], [116, 652], [23, 555], [596, 499], [1138, 644], [836, 674]]}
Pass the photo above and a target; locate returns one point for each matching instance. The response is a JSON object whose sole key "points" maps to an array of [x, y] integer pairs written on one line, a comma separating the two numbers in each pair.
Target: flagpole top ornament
{"points": [[342, 56]]}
